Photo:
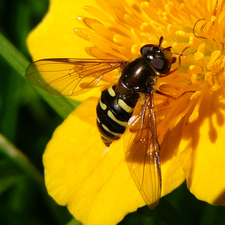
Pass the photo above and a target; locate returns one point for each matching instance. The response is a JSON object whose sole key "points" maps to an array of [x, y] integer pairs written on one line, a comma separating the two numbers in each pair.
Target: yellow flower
{"points": [[92, 180]]}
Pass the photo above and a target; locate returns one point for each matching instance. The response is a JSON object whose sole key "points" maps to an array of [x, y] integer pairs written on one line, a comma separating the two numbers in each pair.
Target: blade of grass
{"points": [[6, 183], [19, 159], [15, 58]]}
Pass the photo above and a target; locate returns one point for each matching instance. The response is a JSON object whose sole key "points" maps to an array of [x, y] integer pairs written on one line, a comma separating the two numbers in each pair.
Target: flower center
{"points": [[119, 30]]}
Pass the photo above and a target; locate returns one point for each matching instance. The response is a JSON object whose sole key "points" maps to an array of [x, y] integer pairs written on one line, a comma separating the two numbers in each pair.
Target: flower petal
{"points": [[55, 37], [202, 151], [92, 180], [172, 172]]}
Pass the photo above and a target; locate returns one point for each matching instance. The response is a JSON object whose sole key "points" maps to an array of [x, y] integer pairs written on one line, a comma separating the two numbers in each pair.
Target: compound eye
{"points": [[161, 65], [146, 48], [154, 55]]}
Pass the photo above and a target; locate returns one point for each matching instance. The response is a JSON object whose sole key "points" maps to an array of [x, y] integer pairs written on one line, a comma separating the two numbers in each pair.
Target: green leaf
{"points": [[15, 58], [19, 159]]}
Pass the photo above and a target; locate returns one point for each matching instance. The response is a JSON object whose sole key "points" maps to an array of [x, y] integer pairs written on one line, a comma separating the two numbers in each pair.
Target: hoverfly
{"points": [[127, 105]]}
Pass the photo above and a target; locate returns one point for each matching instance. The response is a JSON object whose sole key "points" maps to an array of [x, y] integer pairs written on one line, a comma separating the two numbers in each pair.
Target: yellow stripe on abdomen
{"points": [[124, 106]]}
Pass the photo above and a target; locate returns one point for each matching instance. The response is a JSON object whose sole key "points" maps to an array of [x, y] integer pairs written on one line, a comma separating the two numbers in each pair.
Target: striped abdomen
{"points": [[113, 112], [117, 103]]}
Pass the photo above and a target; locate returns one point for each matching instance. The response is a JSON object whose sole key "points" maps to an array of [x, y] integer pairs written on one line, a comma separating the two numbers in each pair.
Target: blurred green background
{"points": [[27, 123]]}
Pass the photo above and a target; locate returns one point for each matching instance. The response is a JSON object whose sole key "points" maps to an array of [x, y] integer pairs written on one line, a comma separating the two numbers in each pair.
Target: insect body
{"points": [[139, 77], [126, 105]]}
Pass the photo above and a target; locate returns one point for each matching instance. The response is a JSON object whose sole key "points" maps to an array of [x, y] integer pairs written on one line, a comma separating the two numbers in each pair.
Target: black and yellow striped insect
{"points": [[127, 105]]}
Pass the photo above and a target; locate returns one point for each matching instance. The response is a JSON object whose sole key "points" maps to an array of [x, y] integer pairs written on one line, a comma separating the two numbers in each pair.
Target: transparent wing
{"points": [[142, 151], [70, 76]]}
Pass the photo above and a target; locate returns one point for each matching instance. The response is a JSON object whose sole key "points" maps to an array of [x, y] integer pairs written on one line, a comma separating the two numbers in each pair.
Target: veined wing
{"points": [[70, 77], [142, 151]]}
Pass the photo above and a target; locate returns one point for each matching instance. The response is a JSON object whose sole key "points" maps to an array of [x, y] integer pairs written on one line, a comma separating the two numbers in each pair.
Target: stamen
{"points": [[194, 79], [125, 28], [105, 47], [195, 113], [97, 53], [101, 16], [124, 41], [216, 85], [214, 56], [138, 36], [208, 78], [81, 33], [98, 27], [196, 74], [195, 95], [126, 52]]}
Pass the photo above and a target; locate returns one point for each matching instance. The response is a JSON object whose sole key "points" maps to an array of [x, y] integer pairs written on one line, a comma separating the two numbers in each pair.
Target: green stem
{"points": [[16, 59]]}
